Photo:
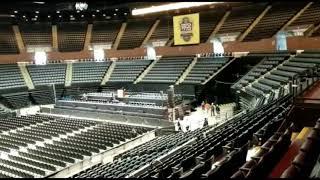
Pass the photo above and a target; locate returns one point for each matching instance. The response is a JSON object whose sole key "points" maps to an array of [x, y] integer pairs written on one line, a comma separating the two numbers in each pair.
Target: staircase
{"points": [[108, 73], [186, 72], [26, 76], [68, 79], [146, 71]]}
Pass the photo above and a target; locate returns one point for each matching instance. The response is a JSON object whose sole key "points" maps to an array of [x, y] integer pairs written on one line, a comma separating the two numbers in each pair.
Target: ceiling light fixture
{"points": [[16, 12], [82, 15], [38, 2], [49, 16], [115, 14], [104, 15], [170, 6], [58, 12], [37, 12], [98, 10], [125, 14], [116, 9]]}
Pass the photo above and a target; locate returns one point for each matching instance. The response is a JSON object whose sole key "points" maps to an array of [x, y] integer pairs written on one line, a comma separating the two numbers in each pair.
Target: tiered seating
{"points": [[47, 74], [164, 30], [305, 160], [167, 70], [134, 34], [309, 16], [17, 100], [270, 153], [241, 18], [128, 71], [36, 34], [92, 72], [7, 40], [266, 65], [42, 158], [71, 36], [10, 76], [227, 144], [203, 69], [275, 18], [208, 20], [104, 32], [43, 96], [133, 159]]}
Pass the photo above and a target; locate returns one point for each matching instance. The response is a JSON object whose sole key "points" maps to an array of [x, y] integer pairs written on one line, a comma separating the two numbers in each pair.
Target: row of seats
{"points": [[69, 143], [89, 72], [10, 76], [304, 161], [229, 140], [128, 71], [47, 74], [203, 69], [173, 66]]}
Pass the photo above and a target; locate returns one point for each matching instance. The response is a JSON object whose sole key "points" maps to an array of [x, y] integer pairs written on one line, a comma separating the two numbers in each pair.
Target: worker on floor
{"points": [[213, 107]]}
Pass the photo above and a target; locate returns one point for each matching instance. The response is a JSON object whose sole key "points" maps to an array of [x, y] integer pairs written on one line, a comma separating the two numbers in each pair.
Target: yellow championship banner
{"points": [[186, 29]]}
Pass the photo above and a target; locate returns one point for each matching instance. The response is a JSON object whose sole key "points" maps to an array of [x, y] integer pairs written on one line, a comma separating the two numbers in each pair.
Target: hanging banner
{"points": [[186, 29]]}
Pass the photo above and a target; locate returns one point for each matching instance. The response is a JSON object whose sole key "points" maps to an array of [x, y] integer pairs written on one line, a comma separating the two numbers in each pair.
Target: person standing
{"points": [[203, 105], [218, 110], [212, 109]]}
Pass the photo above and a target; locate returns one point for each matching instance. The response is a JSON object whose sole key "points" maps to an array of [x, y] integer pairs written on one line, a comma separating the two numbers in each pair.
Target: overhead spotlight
{"points": [[26, 19], [104, 15], [116, 9], [15, 12], [108, 17], [98, 10], [170, 6], [49, 16], [71, 15], [60, 16], [82, 15], [36, 16], [24, 16], [58, 12], [12, 15], [37, 12], [78, 11], [38, 2], [81, 6], [93, 15], [125, 14], [114, 14]]}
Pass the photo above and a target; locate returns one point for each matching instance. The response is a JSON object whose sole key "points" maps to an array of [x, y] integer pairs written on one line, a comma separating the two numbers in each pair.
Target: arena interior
{"points": [[110, 89]]}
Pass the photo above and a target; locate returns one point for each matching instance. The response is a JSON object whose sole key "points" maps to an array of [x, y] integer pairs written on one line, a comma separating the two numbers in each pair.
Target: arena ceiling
{"points": [[59, 10]]}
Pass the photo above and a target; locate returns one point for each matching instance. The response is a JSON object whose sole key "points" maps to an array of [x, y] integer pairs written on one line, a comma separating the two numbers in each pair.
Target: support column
{"points": [[54, 38], [253, 24], [153, 28], [119, 36], [88, 37], [18, 36], [219, 25]]}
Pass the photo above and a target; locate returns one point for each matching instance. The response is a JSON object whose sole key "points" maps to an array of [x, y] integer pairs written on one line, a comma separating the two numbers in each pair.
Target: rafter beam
{"points": [[18, 36], [88, 37], [218, 26], [119, 36], [254, 23], [311, 30], [152, 29], [54, 38], [170, 42], [295, 17]]}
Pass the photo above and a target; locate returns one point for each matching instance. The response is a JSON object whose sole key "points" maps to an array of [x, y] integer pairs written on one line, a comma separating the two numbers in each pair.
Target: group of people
{"points": [[213, 108]]}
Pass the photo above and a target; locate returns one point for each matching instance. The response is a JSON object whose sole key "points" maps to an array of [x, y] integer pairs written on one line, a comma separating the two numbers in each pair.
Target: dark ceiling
{"points": [[59, 10]]}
